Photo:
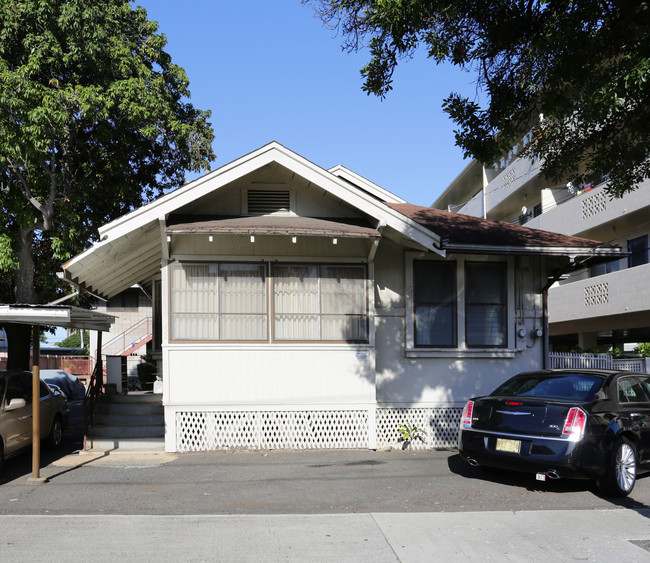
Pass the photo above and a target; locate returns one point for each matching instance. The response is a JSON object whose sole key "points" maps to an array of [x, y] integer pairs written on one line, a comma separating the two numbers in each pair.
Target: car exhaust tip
{"points": [[553, 474], [472, 462]]}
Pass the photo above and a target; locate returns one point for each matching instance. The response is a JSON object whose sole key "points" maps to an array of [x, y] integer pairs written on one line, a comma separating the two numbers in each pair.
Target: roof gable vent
{"points": [[265, 202]]}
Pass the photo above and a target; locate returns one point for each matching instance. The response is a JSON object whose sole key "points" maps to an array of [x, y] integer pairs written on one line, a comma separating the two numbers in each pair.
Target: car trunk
{"points": [[519, 416]]}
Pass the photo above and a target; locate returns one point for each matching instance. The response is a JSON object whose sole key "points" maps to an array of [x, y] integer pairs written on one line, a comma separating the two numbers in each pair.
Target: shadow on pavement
{"points": [[527, 481]]}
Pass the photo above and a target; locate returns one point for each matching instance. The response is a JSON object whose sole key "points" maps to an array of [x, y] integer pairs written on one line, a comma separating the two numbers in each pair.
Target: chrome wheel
{"points": [[625, 467], [620, 476]]}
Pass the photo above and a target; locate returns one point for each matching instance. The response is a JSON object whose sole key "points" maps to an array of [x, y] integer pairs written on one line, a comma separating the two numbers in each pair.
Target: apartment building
{"points": [[600, 307]]}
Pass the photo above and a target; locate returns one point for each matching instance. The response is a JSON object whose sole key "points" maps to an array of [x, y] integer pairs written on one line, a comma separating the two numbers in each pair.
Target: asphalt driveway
{"points": [[285, 482]]}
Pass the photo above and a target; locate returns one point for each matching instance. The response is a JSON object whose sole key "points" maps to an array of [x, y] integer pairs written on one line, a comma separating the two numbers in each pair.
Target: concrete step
{"points": [[127, 431], [120, 419], [134, 397], [124, 446], [128, 408]]}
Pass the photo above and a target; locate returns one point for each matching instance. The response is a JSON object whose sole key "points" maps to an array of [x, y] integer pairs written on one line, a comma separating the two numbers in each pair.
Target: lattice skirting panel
{"points": [[440, 424], [314, 429], [217, 430]]}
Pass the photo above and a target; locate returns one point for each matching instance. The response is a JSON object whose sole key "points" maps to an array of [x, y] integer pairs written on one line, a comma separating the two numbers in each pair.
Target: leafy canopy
{"points": [[94, 121], [583, 65]]}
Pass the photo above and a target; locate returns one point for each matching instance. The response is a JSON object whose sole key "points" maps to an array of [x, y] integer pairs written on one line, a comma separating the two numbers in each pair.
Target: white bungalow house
{"points": [[308, 308]]}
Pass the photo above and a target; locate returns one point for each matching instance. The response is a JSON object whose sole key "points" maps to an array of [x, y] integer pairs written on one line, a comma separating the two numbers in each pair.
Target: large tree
{"points": [[94, 121], [583, 65]]}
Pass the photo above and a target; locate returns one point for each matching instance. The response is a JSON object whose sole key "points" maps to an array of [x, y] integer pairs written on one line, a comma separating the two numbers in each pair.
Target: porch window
{"points": [[320, 302], [434, 288], [228, 302], [218, 302], [486, 304]]}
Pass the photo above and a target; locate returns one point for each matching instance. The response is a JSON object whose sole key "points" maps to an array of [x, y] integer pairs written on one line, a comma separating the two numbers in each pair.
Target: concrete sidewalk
{"points": [[535, 536]]}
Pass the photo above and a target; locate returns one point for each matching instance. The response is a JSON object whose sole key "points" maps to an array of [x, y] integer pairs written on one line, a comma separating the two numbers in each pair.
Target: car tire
{"points": [[620, 476], [54, 438]]}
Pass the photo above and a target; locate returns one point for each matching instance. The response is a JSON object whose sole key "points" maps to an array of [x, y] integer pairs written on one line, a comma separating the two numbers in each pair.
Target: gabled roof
{"points": [[465, 233], [130, 248]]}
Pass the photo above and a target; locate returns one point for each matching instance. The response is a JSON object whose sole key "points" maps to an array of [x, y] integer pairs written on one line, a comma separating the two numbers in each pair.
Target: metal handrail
{"points": [[126, 340]]}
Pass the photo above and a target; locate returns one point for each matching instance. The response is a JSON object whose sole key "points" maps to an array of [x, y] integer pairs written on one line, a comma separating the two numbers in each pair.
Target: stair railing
{"points": [[130, 339]]}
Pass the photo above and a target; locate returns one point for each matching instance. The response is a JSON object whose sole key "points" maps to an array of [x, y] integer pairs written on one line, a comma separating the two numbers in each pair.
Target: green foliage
{"points": [[94, 121], [643, 349], [584, 66], [74, 341], [409, 432]]}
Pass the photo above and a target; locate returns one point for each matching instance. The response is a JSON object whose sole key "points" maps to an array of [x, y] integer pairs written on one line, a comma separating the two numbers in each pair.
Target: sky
{"points": [[271, 71]]}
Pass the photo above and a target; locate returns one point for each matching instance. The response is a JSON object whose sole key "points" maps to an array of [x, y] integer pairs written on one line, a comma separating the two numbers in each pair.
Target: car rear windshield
{"points": [[565, 387]]}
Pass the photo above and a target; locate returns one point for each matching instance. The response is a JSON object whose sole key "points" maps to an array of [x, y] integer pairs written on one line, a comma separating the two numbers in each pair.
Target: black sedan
{"points": [[583, 424]]}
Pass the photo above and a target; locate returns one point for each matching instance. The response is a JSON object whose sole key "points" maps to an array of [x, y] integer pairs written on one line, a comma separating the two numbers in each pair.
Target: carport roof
{"points": [[56, 315]]}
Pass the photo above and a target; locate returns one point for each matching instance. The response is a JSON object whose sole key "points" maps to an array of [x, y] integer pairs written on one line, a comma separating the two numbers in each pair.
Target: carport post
{"points": [[36, 408]]}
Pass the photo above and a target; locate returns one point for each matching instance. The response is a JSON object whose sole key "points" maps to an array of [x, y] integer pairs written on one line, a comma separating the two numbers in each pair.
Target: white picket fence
{"points": [[560, 360]]}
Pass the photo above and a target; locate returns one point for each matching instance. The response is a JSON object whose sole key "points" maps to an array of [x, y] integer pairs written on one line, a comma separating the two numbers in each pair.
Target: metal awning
{"points": [[64, 316]]}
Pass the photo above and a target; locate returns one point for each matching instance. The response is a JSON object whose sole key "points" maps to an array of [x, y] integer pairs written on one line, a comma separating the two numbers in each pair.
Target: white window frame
{"points": [[461, 350]]}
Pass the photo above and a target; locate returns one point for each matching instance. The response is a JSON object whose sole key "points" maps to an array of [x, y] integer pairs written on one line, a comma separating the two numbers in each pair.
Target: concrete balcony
{"points": [[609, 302], [473, 207], [588, 212], [518, 173]]}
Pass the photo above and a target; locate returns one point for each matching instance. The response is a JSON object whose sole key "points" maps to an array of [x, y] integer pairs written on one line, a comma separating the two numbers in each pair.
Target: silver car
{"points": [[16, 414]]}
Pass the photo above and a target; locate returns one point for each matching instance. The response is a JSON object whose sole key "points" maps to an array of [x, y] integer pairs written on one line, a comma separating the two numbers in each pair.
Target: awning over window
{"points": [[272, 225]]}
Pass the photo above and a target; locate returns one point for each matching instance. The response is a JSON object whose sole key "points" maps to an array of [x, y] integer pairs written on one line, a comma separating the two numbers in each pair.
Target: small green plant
{"points": [[643, 349], [409, 432]]}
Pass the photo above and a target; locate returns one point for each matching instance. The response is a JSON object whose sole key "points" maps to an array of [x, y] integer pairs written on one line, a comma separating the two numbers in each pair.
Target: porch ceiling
{"points": [[110, 267]]}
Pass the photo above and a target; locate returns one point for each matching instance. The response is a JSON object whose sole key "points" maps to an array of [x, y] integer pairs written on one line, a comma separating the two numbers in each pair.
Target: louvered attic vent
{"points": [[265, 202]]}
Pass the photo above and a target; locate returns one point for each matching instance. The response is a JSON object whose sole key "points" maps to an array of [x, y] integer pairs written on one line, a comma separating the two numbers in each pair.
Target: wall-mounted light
{"points": [[294, 240], [210, 238], [335, 241], [252, 238], [169, 238]]}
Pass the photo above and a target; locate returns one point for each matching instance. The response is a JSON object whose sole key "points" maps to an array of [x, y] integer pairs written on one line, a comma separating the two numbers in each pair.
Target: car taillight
{"points": [[574, 425], [466, 419]]}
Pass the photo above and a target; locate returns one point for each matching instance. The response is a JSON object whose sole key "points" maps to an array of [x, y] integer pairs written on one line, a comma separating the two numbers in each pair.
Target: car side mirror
{"points": [[15, 404]]}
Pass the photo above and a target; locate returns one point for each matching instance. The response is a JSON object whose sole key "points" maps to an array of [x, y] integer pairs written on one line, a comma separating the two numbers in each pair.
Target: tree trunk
{"points": [[18, 346], [19, 336]]}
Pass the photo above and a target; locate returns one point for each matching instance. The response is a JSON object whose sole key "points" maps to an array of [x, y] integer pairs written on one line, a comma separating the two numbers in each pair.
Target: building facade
{"points": [[599, 307], [301, 307]]}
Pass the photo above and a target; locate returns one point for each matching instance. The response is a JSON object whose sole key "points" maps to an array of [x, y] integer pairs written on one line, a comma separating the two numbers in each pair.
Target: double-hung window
{"points": [[434, 288], [459, 304], [486, 304]]}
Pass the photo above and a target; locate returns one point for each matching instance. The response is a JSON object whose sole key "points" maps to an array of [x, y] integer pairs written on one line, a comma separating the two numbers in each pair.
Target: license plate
{"points": [[510, 446]]}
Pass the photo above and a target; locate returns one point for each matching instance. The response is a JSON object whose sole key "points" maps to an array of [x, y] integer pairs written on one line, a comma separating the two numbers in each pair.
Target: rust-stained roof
{"points": [[461, 230], [272, 225]]}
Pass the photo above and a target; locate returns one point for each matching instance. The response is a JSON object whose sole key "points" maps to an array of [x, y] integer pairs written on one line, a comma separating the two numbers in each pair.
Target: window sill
{"points": [[460, 352]]}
